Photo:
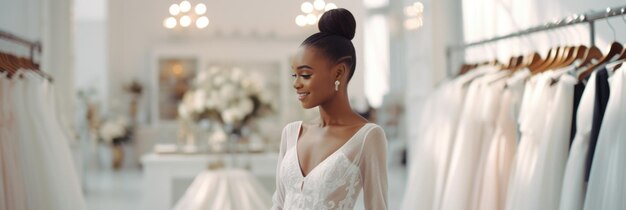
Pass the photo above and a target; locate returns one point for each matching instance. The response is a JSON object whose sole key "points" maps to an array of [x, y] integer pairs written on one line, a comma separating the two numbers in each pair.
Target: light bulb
{"points": [[185, 21], [200, 9], [301, 20], [311, 19], [174, 9], [169, 22], [319, 4], [185, 6], [330, 6], [202, 22], [306, 7]]}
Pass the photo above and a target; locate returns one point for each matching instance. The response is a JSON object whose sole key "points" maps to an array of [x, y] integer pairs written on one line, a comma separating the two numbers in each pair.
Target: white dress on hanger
{"points": [[532, 123], [51, 181], [10, 146], [574, 185], [430, 152], [470, 143], [493, 187], [547, 173], [335, 182], [607, 181]]}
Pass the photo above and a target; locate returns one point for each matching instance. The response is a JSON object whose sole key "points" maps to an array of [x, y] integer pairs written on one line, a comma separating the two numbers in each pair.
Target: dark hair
{"points": [[337, 27]]}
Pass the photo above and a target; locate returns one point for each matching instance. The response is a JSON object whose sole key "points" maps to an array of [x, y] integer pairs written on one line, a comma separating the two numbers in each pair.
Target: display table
{"points": [[160, 171]]}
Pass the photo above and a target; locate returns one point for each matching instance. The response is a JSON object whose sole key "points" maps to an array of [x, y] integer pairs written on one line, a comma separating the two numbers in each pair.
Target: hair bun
{"points": [[338, 22]]}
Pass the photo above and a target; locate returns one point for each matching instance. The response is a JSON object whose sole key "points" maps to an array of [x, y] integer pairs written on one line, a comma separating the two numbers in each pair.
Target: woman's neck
{"points": [[336, 111]]}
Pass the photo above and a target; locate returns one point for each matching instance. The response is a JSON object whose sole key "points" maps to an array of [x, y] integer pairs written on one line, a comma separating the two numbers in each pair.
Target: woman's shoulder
{"points": [[292, 128]]}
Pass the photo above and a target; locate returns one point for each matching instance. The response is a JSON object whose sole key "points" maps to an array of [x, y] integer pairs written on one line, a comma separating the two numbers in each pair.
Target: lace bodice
{"points": [[336, 182]]}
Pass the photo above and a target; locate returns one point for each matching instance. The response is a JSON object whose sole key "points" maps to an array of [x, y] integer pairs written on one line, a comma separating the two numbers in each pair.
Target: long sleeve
{"points": [[373, 166], [278, 198]]}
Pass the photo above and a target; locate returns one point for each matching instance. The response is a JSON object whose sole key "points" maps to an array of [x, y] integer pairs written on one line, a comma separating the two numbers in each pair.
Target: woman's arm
{"points": [[374, 169], [279, 195]]}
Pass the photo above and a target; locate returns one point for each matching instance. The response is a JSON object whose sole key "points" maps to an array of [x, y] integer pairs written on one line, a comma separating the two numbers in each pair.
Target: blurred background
{"points": [[133, 80]]}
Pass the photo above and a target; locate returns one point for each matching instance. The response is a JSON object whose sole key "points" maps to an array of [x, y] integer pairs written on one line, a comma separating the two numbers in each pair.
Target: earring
{"points": [[337, 85]]}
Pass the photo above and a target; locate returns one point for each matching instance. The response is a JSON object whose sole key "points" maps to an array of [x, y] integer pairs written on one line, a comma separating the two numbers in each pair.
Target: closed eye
{"points": [[305, 76]]}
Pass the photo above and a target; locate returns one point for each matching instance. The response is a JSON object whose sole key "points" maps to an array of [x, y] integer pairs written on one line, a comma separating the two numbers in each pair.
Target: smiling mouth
{"points": [[302, 95]]}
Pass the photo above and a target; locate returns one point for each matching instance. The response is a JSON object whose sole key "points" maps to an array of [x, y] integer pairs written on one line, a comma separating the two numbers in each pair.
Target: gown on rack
{"points": [[574, 185], [607, 181]]}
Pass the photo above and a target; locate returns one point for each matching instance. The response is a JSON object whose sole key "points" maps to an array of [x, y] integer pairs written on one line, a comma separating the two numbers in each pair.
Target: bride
{"points": [[324, 163]]}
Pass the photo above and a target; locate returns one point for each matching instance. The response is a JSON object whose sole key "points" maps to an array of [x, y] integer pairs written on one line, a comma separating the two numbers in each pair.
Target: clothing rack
{"points": [[589, 17], [33, 46]]}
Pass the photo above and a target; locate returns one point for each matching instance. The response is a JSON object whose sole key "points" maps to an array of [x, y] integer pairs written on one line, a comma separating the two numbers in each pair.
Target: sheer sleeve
{"points": [[373, 166], [279, 195]]}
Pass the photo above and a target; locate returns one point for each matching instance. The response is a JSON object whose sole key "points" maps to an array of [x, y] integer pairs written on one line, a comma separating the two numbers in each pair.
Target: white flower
{"points": [[246, 106], [265, 97], [218, 80], [111, 130], [236, 74], [183, 112], [228, 116], [203, 77], [198, 101], [228, 91]]}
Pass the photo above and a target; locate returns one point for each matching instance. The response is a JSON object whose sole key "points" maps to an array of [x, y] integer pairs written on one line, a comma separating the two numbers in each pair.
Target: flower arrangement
{"points": [[231, 98], [115, 131]]}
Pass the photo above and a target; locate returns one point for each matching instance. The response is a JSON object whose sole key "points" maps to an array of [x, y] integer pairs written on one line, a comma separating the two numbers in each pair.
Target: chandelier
{"points": [[414, 16], [184, 15], [313, 12]]}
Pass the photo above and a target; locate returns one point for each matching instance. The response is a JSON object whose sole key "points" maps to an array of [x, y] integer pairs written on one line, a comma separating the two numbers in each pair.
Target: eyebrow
{"points": [[304, 67]]}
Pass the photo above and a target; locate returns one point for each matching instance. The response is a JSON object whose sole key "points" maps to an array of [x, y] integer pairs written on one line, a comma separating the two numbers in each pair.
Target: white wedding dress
{"points": [[224, 189], [574, 185], [537, 96], [39, 171], [607, 181], [336, 182], [475, 129]]}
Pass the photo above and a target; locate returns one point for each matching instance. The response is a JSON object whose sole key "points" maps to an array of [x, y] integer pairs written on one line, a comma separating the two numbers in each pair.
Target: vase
{"points": [[118, 156]]}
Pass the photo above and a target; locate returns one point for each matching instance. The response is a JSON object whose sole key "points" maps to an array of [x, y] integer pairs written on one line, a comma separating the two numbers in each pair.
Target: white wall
{"points": [[488, 18], [91, 49], [135, 29]]}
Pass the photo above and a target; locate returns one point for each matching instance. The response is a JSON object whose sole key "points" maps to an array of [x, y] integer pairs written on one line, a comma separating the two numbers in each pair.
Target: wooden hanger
{"points": [[592, 53], [546, 62], [614, 50], [576, 53]]}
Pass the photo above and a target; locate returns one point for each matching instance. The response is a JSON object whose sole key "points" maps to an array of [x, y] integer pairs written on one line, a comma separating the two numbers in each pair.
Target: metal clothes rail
{"points": [[33, 46], [589, 18]]}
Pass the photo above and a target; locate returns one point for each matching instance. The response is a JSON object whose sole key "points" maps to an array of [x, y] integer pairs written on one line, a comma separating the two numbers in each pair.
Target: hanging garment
{"points": [[335, 182], [553, 148], [493, 187], [470, 143], [42, 173], [607, 181], [602, 97], [431, 150], [533, 116], [574, 185], [578, 92], [12, 181]]}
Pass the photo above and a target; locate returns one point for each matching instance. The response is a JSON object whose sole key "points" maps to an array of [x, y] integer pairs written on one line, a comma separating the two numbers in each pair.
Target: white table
{"points": [[161, 170]]}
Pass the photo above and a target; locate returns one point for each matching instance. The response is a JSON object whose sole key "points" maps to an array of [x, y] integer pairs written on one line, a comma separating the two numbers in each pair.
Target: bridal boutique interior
{"points": [[179, 104]]}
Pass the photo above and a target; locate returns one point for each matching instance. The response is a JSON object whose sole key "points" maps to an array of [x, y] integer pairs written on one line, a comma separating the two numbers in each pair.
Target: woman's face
{"points": [[313, 79]]}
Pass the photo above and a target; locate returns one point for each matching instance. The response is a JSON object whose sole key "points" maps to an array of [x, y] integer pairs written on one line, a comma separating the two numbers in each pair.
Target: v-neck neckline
{"points": [[328, 157]]}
